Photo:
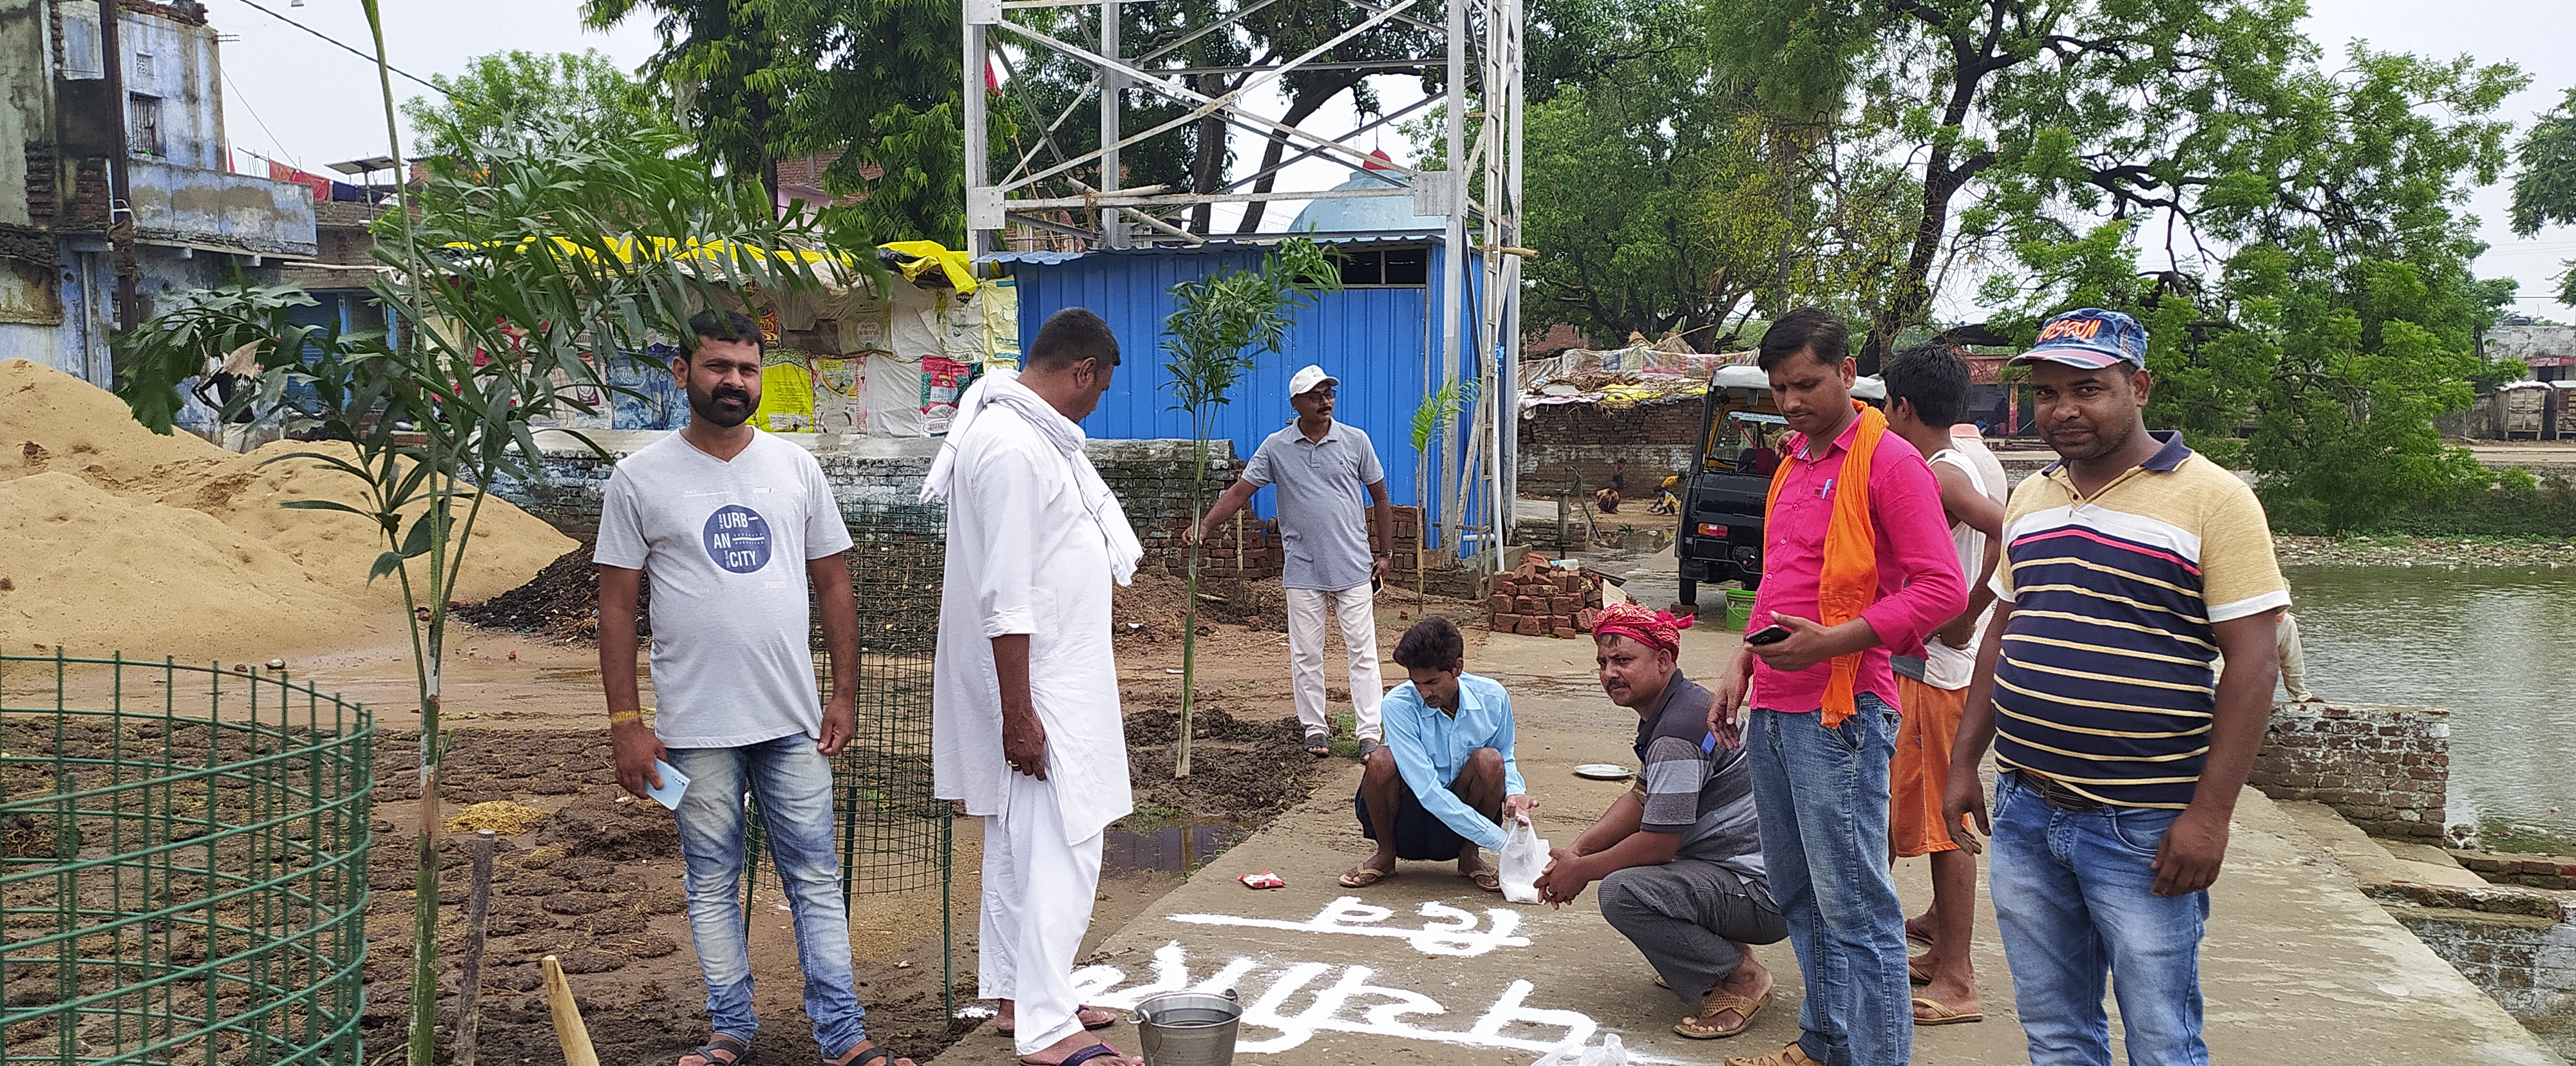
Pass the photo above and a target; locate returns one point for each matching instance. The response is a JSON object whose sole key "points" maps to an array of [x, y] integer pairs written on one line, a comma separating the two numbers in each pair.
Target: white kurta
{"points": [[1024, 556]]}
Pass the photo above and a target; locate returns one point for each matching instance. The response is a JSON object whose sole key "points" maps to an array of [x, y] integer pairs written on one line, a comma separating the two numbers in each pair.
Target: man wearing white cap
{"points": [[1320, 466]]}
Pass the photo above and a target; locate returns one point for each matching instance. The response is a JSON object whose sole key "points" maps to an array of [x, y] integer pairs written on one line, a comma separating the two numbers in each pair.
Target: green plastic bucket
{"points": [[1739, 609]]}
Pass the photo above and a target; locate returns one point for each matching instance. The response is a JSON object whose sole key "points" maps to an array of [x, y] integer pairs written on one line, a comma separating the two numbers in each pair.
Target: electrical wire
{"points": [[273, 142], [335, 42]]}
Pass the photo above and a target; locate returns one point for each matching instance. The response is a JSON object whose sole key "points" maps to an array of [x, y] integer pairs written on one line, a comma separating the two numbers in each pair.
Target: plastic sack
{"points": [[1524, 858], [1610, 1053]]}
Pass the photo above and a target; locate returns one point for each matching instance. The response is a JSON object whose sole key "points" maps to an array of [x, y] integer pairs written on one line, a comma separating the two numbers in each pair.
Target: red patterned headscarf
{"points": [[1654, 629]]}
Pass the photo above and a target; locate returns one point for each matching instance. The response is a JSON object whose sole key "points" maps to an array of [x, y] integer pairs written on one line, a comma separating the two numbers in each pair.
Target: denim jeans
{"points": [[1822, 796], [791, 786], [2071, 899]]}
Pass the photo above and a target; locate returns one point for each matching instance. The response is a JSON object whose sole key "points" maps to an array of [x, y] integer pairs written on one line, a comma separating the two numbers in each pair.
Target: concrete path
{"points": [[2298, 966]]}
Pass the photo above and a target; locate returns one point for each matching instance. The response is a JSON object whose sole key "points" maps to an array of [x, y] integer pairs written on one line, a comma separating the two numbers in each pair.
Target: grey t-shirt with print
{"points": [[725, 546], [1322, 498]]}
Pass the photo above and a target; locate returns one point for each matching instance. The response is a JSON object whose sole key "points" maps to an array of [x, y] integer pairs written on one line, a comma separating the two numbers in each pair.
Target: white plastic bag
{"points": [[1524, 858], [1610, 1053]]}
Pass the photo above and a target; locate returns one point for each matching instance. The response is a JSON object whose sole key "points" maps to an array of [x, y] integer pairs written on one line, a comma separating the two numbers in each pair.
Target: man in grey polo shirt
{"points": [[1320, 466]]}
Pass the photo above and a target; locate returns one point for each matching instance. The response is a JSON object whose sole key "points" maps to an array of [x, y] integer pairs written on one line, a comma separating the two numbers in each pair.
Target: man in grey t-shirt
{"points": [[733, 525], [1679, 857], [1320, 467]]}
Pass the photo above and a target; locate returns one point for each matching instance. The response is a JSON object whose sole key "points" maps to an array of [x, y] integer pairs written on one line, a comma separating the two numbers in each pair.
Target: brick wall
{"points": [[2528, 871], [2385, 769], [1560, 442], [2517, 945]]}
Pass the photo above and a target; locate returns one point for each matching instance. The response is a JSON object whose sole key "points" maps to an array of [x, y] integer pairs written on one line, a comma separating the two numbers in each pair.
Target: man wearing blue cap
{"points": [[2130, 565]]}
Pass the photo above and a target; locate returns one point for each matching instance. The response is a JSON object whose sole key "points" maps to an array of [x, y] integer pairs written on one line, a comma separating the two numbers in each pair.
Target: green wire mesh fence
{"points": [[183, 864], [896, 836]]}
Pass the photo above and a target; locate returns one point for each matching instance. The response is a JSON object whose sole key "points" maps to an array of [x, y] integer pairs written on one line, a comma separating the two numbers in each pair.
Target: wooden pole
{"points": [[478, 911], [569, 1031]]}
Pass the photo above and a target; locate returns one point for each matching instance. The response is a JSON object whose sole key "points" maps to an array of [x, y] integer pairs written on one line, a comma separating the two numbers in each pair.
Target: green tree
{"points": [[2544, 182], [515, 94], [2069, 109], [2329, 302], [715, 60], [1653, 201]]}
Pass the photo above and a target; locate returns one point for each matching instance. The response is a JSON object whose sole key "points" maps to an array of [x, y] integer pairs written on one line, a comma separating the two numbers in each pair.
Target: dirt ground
{"points": [[598, 883]]}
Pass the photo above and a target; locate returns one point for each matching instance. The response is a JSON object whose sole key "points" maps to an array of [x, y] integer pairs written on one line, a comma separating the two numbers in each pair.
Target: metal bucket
{"points": [[1188, 1028]]}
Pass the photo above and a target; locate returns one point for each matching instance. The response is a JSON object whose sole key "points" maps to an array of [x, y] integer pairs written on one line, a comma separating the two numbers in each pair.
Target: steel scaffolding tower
{"points": [[1474, 44]]}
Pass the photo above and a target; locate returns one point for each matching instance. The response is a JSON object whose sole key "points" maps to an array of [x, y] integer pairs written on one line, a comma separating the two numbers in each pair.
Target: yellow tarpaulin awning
{"points": [[959, 267]]}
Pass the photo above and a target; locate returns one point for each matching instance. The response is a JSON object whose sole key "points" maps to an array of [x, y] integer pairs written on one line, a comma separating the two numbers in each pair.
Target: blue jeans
{"points": [[791, 785], [2071, 899], [1822, 797]]}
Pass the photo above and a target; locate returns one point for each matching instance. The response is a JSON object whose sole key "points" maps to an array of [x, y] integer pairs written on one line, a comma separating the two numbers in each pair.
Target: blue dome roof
{"points": [[1375, 214]]}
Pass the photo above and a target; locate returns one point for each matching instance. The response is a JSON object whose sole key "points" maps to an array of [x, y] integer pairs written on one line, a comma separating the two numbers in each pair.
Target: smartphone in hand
{"points": [[1771, 634]]}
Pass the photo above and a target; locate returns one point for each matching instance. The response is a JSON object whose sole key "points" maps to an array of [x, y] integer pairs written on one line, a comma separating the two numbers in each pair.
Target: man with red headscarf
{"points": [[1679, 857]]}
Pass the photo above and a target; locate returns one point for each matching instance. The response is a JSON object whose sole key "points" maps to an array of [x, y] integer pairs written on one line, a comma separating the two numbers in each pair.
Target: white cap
{"points": [[1308, 380]]}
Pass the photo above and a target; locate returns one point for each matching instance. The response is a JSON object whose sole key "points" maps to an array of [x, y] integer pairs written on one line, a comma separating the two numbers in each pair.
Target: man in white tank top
{"points": [[1927, 395]]}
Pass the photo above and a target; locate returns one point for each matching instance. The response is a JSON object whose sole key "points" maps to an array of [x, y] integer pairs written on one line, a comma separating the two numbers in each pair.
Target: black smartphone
{"points": [[1768, 635]]}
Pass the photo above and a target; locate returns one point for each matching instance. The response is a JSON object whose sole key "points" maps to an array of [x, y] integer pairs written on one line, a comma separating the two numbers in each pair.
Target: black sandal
{"points": [[872, 1055], [719, 1042]]}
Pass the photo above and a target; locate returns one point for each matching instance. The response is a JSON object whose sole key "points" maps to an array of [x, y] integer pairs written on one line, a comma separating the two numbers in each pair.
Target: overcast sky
{"points": [[293, 97]]}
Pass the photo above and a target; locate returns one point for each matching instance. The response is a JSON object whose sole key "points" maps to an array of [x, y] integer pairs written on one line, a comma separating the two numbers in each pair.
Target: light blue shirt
{"points": [[1429, 747]]}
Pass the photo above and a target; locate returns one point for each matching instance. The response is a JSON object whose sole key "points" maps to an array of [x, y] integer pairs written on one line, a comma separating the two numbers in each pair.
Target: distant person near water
{"points": [[1025, 723], [1679, 856], [2129, 565], [1857, 561], [1446, 782], [735, 526], [1336, 550]]}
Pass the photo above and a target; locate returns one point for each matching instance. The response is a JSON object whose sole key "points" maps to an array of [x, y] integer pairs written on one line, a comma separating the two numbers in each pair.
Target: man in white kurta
{"points": [[1025, 717]]}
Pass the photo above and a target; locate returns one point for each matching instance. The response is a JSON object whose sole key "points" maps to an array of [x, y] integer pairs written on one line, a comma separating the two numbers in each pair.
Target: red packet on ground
{"points": [[1264, 879]]}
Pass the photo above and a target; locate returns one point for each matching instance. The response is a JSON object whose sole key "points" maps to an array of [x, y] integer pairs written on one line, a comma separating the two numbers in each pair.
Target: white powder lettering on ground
{"points": [[1451, 932], [1341, 999]]}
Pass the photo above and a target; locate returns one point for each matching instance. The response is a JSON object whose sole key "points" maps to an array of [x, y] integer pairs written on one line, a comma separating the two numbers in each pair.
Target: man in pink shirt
{"points": [[1847, 578]]}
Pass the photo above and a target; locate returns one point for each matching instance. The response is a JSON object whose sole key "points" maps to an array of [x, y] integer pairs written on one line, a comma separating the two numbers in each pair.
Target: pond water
{"points": [[2490, 644]]}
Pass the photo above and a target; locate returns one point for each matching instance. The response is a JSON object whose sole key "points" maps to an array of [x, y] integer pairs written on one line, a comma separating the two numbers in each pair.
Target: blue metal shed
{"points": [[1382, 341]]}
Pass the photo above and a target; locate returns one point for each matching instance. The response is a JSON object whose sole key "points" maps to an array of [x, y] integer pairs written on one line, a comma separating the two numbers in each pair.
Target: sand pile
{"points": [[113, 537]]}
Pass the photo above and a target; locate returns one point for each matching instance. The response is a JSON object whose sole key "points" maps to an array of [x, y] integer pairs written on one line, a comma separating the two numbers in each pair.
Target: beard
{"points": [[723, 408]]}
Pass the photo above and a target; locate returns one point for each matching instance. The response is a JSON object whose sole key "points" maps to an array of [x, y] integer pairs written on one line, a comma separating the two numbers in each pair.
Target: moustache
{"points": [[735, 395]]}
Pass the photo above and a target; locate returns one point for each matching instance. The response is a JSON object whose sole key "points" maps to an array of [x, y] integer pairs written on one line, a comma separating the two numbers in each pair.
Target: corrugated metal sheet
{"points": [[1382, 343]]}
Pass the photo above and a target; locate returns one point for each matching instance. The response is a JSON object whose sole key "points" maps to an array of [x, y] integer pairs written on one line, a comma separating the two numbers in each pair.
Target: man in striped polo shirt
{"points": [[2129, 566]]}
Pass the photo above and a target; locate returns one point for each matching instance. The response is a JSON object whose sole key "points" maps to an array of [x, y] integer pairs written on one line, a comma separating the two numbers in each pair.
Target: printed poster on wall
{"points": [[786, 392], [941, 380], [840, 400]]}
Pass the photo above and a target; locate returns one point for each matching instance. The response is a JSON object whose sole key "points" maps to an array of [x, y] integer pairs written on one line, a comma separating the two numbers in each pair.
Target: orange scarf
{"points": [[1849, 581]]}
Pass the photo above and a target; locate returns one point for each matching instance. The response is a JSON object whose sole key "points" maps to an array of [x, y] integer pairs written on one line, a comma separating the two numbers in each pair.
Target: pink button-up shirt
{"points": [[1919, 586]]}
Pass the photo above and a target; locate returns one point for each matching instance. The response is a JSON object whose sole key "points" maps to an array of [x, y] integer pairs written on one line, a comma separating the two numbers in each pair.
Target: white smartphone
{"points": [[674, 783]]}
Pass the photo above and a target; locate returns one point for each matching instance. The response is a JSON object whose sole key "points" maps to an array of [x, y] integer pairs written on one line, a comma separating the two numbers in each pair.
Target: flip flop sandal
{"points": [[1941, 1014], [1915, 934], [875, 1056], [1319, 745], [1104, 1023], [1095, 1051], [1793, 1055], [1717, 1002], [1485, 879], [706, 1052], [1364, 876], [1917, 975]]}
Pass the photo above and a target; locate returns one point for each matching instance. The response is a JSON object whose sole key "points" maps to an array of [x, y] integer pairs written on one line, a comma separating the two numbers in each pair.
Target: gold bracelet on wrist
{"points": [[623, 717]]}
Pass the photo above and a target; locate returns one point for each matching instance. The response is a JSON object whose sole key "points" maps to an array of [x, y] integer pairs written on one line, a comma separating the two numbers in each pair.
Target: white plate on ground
{"points": [[1604, 771]]}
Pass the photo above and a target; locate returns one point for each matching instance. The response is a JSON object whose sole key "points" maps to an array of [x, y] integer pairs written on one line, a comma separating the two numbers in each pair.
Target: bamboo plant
{"points": [[1225, 321]]}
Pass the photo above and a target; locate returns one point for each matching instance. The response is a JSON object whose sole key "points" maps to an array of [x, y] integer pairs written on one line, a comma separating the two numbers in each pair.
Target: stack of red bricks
{"points": [[1252, 554], [1408, 534], [1540, 600]]}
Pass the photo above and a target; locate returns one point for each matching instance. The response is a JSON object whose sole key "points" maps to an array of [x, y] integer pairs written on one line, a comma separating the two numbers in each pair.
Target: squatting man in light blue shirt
{"points": [[1444, 783]]}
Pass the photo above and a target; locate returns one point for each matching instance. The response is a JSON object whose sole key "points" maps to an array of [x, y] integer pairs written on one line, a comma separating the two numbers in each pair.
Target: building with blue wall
{"points": [[1380, 336]]}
